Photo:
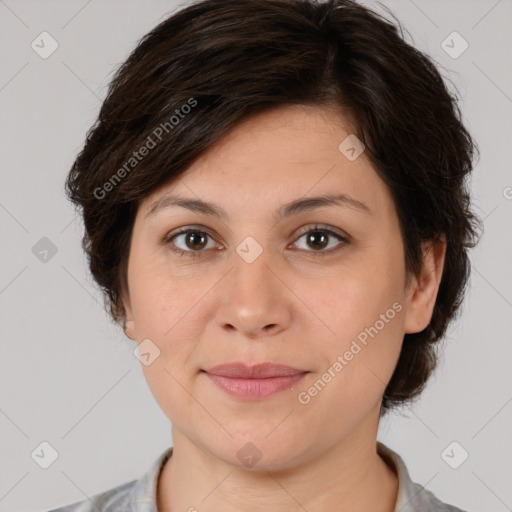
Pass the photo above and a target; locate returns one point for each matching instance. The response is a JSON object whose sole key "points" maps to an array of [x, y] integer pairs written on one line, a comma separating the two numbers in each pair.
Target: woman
{"points": [[276, 207]]}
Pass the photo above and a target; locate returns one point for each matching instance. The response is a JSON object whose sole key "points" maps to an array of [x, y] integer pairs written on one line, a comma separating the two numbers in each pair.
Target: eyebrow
{"points": [[292, 208]]}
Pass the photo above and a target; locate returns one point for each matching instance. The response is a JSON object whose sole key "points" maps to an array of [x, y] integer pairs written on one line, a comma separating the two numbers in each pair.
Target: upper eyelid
{"points": [[301, 231]]}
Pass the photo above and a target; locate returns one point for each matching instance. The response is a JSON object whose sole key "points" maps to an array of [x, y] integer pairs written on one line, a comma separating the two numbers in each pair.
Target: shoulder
{"points": [[115, 499], [133, 496], [412, 497], [425, 500]]}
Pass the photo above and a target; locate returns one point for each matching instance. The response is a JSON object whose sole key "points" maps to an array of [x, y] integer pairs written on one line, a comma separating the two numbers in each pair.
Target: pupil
{"points": [[191, 239], [313, 235]]}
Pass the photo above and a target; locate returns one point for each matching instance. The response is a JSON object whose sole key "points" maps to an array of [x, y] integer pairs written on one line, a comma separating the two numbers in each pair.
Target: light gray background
{"points": [[68, 375]]}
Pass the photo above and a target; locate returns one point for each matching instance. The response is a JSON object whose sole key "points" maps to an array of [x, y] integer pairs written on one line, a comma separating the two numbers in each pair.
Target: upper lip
{"points": [[254, 371]]}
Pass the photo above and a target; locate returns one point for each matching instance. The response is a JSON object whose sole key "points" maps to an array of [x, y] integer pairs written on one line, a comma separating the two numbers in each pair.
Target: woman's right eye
{"points": [[188, 238]]}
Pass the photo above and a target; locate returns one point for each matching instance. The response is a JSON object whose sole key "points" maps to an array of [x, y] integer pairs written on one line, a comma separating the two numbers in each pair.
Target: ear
{"points": [[129, 323], [422, 291]]}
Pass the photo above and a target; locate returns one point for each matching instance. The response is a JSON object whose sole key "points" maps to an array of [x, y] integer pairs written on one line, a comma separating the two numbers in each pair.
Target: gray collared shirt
{"points": [[140, 495]]}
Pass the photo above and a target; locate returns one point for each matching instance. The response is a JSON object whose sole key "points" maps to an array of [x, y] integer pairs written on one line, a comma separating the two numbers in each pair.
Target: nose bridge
{"points": [[252, 298], [252, 261]]}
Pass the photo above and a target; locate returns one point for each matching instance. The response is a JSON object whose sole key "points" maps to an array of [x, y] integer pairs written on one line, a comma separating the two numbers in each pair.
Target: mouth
{"points": [[254, 382], [255, 371]]}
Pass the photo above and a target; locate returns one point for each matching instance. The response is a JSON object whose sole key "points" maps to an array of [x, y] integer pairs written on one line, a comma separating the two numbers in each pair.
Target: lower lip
{"points": [[253, 389]]}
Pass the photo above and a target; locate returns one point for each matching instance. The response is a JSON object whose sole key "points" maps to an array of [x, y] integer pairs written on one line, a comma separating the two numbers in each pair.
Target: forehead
{"points": [[275, 157]]}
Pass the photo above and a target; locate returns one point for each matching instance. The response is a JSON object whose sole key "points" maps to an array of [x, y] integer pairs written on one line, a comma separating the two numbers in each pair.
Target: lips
{"points": [[254, 382], [256, 371]]}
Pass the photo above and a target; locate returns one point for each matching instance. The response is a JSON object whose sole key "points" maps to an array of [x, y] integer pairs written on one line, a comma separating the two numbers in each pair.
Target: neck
{"points": [[350, 477]]}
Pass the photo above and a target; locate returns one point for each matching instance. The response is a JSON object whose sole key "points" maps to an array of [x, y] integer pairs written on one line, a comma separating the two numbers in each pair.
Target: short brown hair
{"points": [[229, 59]]}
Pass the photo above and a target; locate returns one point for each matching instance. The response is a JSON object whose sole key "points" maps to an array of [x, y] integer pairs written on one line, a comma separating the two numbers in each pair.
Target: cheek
{"points": [[168, 310], [158, 298], [353, 296], [165, 314], [363, 306], [359, 363]]}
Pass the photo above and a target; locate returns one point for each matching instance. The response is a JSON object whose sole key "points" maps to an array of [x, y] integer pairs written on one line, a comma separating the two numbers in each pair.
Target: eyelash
{"points": [[167, 240]]}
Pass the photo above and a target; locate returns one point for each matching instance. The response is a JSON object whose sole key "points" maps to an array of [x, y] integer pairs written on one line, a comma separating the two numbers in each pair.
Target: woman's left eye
{"points": [[318, 236]]}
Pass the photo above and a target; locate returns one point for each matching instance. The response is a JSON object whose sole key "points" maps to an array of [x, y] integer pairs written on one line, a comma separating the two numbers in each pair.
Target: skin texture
{"points": [[289, 306]]}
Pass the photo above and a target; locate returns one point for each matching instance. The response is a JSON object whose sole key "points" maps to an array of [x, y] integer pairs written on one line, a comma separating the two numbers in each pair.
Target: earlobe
{"points": [[129, 329], [129, 323], [423, 290]]}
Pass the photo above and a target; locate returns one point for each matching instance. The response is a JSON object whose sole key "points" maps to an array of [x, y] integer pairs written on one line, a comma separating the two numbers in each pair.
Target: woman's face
{"points": [[320, 288]]}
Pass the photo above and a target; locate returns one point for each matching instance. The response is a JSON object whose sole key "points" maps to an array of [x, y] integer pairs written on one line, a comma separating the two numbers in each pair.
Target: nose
{"points": [[254, 300]]}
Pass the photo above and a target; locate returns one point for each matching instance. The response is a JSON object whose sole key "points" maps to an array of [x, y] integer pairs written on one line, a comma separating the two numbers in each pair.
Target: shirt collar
{"points": [[411, 496], [143, 494]]}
